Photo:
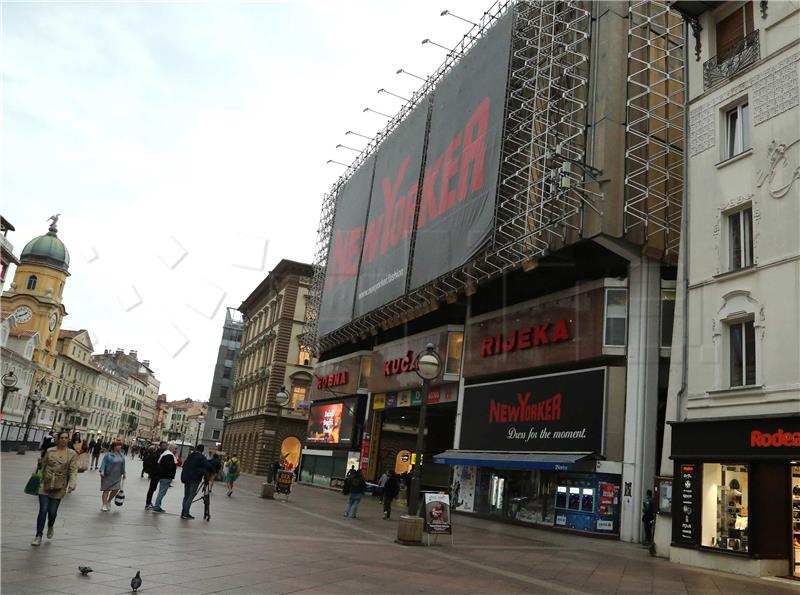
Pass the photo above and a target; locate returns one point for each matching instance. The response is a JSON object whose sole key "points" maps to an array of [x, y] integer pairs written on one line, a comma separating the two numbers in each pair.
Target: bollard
{"points": [[268, 490], [409, 530]]}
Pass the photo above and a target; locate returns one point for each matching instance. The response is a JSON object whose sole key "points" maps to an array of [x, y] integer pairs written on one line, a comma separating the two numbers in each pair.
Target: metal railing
{"points": [[731, 60]]}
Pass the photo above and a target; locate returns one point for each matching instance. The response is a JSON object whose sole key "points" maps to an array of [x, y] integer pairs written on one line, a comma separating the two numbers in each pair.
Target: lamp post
{"points": [[9, 386], [226, 413], [281, 399], [428, 364], [35, 398], [200, 420]]}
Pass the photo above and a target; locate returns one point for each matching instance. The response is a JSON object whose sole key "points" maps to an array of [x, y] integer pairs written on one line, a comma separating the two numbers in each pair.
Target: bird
{"points": [[136, 582], [85, 570]]}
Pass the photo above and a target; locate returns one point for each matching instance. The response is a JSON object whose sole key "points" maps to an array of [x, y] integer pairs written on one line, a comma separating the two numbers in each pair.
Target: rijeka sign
{"points": [[527, 337], [331, 380], [776, 439]]}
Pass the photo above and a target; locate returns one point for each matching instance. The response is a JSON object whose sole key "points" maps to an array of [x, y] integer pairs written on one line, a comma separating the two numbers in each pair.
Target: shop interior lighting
{"points": [[393, 94]]}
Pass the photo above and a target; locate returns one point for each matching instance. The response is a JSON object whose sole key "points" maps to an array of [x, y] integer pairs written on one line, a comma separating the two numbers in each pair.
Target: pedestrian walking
{"points": [[59, 474], [167, 465], [149, 458], [47, 442], [390, 490], [231, 473], [216, 466], [381, 485], [354, 487], [648, 517], [194, 468], [96, 449], [276, 466], [112, 472], [76, 443], [151, 462]]}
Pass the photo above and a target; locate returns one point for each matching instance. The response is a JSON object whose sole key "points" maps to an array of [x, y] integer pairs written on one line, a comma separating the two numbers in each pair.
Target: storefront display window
{"points": [[616, 318], [725, 507], [455, 348]]}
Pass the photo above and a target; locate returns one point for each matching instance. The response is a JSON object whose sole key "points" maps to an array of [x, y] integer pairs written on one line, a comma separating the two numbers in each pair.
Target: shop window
{"points": [[725, 507], [455, 349], [740, 239], [667, 316], [742, 345], [737, 130], [364, 371], [31, 282], [298, 396], [616, 319]]}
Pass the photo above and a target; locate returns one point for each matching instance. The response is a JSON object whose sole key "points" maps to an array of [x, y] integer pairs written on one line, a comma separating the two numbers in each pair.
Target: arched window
{"points": [[32, 282]]}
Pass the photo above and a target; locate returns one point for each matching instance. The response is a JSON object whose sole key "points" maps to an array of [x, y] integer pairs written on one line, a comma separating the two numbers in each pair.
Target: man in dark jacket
{"points": [[151, 467], [95, 448], [390, 490], [167, 465], [194, 468], [354, 487]]}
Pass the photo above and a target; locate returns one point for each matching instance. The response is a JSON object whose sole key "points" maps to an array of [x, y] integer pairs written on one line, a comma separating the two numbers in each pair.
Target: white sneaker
{"points": [[104, 508], [37, 540]]}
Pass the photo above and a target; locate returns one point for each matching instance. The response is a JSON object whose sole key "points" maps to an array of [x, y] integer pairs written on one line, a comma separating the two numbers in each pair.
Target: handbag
{"points": [[83, 462], [32, 487], [119, 499]]}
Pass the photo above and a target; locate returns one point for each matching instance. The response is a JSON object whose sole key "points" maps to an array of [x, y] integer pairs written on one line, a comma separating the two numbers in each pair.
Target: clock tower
{"points": [[34, 297]]}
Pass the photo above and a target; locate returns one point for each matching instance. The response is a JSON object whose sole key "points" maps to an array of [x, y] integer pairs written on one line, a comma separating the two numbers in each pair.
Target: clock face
{"points": [[53, 321], [23, 314]]}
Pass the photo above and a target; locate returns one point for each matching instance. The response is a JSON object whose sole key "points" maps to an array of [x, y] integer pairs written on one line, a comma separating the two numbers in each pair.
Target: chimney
{"points": [[120, 352], [146, 363]]}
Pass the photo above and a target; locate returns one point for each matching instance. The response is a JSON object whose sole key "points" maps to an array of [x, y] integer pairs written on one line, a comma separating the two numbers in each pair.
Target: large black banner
{"points": [[344, 253], [387, 238], [553, 413], [462, 163]]}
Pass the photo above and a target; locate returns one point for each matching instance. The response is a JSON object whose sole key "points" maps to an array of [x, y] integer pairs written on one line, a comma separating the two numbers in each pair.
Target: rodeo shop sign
{"points": [[552, 413]]}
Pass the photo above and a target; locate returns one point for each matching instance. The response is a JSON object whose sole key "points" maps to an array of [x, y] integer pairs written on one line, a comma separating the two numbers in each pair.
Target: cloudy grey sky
{"points": [[184, 145]]}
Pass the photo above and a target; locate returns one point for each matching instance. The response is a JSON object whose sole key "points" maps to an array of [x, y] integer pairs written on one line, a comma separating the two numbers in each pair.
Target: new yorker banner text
{"points": [[554, 413]]}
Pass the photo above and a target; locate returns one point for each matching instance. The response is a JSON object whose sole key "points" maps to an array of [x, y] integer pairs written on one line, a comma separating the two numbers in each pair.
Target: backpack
{"points": [[233, 469]]}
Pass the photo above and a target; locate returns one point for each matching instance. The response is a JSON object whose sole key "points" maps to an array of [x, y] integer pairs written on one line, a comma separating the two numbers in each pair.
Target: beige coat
{"points": [[59, 471]]}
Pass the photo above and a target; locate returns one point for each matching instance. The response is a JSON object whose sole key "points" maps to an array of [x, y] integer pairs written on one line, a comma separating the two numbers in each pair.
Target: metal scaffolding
{"points": [[544, 178], [655, 126]]}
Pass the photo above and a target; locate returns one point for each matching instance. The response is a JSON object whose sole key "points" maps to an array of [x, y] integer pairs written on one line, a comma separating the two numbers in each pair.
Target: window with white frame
{"points": [[737, 130], [740, 239], [616, 319], [742, 357]]}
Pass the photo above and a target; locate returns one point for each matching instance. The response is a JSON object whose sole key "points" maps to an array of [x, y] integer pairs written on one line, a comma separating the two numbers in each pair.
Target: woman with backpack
{"points": [[232, 473]]}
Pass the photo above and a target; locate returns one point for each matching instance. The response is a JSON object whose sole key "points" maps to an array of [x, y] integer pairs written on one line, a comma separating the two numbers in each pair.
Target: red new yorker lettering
{"points": [[524, 411], [468, 167], [390, 193], [344, 260]]}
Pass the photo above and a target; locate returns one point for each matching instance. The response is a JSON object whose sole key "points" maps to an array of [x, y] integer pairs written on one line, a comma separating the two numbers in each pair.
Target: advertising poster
{"points": [[608, 498], [283, 481], [331, 423], [551, 413], [341, 273], [463, 487], [437, 514], [462, 163], [387, 237]]}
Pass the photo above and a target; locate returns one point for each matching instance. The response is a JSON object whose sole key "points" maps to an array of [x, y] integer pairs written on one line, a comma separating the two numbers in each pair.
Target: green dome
{"points": [[47, 250]]}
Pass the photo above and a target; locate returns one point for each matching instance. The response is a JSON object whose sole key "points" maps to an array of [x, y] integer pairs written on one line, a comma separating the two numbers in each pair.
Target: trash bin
{"points": [[409, 530], [268, 490]]}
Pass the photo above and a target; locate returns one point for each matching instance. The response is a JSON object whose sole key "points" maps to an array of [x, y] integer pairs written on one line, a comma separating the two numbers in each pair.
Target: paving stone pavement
{"points": [[255, 546]]}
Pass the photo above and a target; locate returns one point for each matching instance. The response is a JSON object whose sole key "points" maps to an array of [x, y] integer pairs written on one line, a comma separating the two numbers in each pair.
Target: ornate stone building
{"points": [[271, 358]]}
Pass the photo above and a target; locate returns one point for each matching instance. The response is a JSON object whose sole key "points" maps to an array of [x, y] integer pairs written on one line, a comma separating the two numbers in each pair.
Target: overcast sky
{"points": [[184, 145]]}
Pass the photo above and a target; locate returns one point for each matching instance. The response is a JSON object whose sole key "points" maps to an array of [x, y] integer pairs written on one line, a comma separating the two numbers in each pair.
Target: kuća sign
{"points": [[552, 413]]}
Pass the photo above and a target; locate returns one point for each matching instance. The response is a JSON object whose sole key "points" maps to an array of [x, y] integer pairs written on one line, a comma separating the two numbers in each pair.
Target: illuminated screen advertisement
{"points": [[332, 423]]}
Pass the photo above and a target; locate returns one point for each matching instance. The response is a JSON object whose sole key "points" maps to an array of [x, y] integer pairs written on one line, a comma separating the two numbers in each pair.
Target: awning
{"points": [[558, 461]]}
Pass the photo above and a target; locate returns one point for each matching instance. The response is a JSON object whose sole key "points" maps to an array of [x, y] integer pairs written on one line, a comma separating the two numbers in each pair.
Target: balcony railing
{"points": [[731, 60]]}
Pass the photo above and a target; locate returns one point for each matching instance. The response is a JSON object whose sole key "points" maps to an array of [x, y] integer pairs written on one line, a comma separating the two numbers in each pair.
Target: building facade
{"points": [[733, 442], [7, 257], [222, 382], [73, 387], [271, 359], [538, 263]]}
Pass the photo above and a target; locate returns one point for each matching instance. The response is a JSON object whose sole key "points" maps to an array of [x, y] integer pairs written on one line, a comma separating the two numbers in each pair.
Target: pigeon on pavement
{"points": [[85, 570], [136, 582]]}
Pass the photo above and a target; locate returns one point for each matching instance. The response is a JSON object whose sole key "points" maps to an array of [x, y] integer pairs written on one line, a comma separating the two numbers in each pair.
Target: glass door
{"points": [[795, 520]]}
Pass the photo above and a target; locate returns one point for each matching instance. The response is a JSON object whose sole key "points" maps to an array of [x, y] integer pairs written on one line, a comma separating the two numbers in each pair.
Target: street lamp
{"points": [[428, 364], [226, 413], [9, 386], [35, 398], [281, 399], [200, 420]]}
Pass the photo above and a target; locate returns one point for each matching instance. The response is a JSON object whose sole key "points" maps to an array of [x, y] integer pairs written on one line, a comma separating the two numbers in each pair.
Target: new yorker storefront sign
{"points": [[551, 413]]}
